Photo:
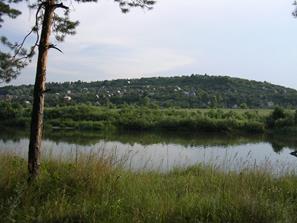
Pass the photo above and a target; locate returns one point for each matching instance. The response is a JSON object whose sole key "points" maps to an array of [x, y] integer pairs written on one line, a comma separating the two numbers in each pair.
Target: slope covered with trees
{"points": [[195, 91]]}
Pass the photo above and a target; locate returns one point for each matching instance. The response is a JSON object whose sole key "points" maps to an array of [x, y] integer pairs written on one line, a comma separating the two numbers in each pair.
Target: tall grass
{"points": [[93, 189]]}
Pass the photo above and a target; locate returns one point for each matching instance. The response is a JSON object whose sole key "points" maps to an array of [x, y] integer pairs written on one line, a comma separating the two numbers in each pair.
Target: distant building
{"points": [[6, 97], [192, 94], [270, 104], [67, 98]]}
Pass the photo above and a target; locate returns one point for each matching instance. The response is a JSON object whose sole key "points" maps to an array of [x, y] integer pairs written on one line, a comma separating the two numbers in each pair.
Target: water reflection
{"points": [[164, 151]]}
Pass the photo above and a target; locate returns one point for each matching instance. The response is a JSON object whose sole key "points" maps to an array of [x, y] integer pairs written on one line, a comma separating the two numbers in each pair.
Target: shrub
{"points": [[284, 122], [278, 113]]}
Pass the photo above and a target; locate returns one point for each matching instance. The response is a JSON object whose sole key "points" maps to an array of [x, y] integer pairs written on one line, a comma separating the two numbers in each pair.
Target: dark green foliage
{"points": [[86, 117], [243, 106], [9, 67], [7, 10], [196, 91], [126, 5], [7, 111], [127, 117], [12, 114], [295, 117], [280, 119], [278, 113]]}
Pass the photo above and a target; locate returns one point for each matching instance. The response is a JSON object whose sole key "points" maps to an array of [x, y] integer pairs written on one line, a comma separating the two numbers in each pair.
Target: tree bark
{"points": [[39, 90]]}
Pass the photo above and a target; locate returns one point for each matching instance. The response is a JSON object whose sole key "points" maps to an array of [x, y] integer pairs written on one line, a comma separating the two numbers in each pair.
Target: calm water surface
{"points": [[163, 152]]}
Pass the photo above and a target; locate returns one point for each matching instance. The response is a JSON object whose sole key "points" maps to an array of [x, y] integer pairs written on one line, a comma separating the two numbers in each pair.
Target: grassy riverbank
{"points": [[86, 117], [95, 190], [144, 118]]}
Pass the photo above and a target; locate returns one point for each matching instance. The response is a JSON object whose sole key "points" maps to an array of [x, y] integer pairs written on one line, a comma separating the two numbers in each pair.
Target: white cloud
{"points": [[146, 61], [255, 38], [134, 63]]}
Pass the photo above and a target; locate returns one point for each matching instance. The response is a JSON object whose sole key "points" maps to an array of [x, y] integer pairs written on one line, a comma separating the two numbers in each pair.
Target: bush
{"points": [[278, 113], [284, 122]]}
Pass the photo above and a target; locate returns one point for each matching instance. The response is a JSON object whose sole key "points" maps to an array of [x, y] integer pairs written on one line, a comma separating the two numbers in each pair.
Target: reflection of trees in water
{"points": [[277, 147], [185, 139], [83, 138], [13, 135], [280, 142], [149, 138]]}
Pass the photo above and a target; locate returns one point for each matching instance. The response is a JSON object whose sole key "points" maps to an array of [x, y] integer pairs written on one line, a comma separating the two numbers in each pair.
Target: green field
{"points": [[96, 190]]}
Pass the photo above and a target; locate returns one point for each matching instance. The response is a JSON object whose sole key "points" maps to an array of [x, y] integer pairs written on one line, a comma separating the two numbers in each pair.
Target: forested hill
{"points": [[196, 91]]}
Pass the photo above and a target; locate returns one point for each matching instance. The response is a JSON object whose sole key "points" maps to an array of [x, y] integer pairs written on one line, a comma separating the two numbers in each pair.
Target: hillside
{"points": [[195, 91]]}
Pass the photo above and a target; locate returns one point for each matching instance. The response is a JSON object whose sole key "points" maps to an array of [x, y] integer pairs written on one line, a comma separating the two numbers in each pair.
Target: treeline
{"points": [[195, 91], [87, 117]]}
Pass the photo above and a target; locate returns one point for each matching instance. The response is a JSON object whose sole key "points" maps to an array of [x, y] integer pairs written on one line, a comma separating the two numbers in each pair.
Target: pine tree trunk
{"points": [[39, 90]]}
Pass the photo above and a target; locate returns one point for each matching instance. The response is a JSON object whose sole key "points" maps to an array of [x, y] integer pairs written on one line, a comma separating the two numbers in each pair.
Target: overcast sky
{"points": [[249, 39]]}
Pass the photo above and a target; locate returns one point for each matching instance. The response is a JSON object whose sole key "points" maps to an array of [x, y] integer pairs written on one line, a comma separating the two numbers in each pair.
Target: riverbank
{"points": [[94, 189], [86, 117], [140, 118]]}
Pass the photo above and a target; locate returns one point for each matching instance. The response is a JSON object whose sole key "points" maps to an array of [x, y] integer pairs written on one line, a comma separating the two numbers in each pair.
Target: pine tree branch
{"points": [[34, 29], [52, 46], [61, 5]]}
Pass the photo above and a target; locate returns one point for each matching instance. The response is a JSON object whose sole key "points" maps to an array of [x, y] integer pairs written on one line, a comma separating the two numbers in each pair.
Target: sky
{"points": [[247, 39]]}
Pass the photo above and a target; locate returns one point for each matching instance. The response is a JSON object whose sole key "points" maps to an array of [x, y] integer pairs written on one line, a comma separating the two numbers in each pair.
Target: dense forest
{"points": [[195, 91]]}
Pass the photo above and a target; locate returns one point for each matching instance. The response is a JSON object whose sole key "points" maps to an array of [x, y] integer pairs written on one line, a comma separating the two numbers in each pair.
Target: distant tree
{"points": [[146, 101], [47, 20], [243, 106], [277, 113]]}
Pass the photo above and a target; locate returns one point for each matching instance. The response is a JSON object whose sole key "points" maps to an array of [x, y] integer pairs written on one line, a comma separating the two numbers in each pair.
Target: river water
{"points": [[163, 152]]}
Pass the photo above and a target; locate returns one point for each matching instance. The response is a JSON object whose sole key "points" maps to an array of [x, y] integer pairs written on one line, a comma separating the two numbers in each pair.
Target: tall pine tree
{"points": [[47, 22]]}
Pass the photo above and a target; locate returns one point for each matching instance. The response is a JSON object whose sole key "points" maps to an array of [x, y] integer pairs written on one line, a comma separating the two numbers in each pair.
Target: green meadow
{"points": [[95, 189]]}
